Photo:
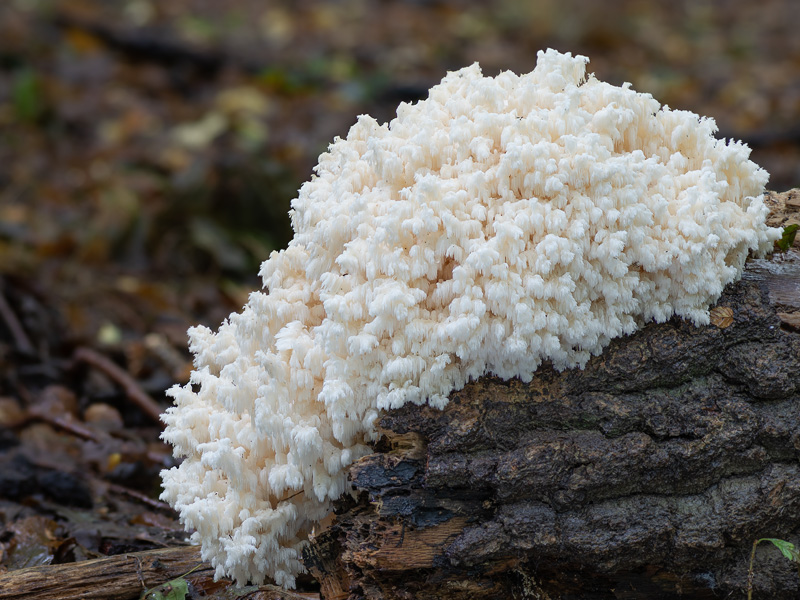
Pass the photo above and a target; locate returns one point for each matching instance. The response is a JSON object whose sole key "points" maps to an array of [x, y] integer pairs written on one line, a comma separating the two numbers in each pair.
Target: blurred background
{"points": [[149, 150]]}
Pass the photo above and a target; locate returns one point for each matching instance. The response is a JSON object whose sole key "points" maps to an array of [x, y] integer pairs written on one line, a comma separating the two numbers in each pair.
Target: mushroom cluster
{"points": [[497, 224]]}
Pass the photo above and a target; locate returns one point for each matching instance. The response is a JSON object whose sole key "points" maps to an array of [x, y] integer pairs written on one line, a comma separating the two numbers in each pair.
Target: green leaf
{"points": [[26, 96], [787, 239], [172, 590], [787, 548]]}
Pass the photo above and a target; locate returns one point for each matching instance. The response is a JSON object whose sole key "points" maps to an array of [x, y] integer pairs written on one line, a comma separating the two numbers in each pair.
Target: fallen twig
{"points": [[132, 389], [143, 498], [21, 339], [64, 421], [67, 424]]}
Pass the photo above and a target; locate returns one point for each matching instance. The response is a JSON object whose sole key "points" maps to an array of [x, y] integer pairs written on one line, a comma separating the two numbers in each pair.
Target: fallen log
{"points": [[647, 475]]}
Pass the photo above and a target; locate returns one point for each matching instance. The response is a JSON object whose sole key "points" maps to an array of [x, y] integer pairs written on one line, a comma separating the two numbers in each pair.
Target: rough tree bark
{"points": [[648, 474]]}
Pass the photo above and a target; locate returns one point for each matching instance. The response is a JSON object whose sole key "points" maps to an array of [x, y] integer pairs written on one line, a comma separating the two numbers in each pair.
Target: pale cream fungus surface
{"points": [[497, 224]]}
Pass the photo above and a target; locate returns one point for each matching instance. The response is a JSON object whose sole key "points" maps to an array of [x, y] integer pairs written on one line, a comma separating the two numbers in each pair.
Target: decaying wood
{"points": [[646, 475], [123, 576]]}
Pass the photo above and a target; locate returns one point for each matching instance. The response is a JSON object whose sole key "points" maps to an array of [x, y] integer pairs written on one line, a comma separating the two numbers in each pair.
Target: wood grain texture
{"points": [[100, 579], [125, 576]]}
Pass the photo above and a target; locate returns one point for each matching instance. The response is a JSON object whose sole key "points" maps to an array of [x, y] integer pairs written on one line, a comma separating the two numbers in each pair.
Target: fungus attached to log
{"points": [[500, 223]]}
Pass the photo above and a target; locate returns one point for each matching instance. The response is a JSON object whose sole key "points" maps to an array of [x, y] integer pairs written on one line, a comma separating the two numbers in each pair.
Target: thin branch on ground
{"points": [[21, 339], [132, 389]]}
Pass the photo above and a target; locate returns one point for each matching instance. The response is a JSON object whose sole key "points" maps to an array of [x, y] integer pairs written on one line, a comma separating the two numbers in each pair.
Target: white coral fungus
{"points": [[499, 223]]}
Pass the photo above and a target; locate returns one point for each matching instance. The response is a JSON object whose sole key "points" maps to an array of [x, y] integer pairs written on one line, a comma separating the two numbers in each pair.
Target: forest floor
{"points": [[148, 154]]}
